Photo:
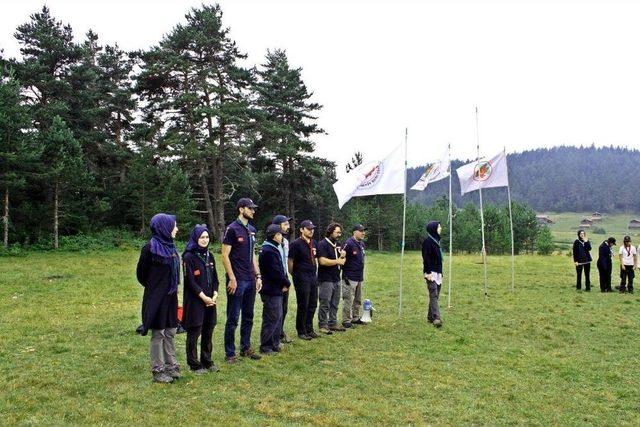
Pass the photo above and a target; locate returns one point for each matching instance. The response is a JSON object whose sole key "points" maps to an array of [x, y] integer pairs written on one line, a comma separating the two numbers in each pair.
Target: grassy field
{"points": [[541, 355], [567, 223]]}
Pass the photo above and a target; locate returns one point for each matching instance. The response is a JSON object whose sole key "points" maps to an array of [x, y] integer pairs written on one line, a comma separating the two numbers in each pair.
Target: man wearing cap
{"points": [[303, 267], [284, 221], [330, 258], [274, 282], [353, 277], [605, 264], [243, 280]]}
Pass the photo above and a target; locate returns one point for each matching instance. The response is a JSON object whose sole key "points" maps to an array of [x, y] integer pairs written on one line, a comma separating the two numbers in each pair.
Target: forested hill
{"points": [[558, 179]]}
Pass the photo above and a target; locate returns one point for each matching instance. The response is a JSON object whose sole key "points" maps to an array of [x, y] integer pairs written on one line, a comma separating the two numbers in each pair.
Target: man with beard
{"points": [[284, 224], [243, 280], [330, 258], [353, 276]]}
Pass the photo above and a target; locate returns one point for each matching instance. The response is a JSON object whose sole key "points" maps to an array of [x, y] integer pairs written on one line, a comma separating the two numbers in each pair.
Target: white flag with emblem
{"points": [[373, 177], [484, 174], [434, 172]]}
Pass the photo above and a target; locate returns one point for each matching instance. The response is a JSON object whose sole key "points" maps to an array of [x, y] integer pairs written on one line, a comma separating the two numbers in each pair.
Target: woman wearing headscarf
{"points": [[582, 260], [159, 272], [199, 300], [432, 269]]}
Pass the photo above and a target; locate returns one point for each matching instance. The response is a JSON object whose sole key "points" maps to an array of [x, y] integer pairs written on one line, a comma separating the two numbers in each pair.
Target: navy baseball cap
{"points": [[307, 224], [359, 227], [272, 230], [279, 219], [245, 202]]}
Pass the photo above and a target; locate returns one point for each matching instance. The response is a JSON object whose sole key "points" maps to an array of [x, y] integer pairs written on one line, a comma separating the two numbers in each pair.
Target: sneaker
{"points": [[326, 331], [267, 352], [437, 323], [174, 373], [337, 328], [250, 354], [161, 377], [304, 337], [200, 371], [358, 322], [231, 359], [213, 368], [313, 334], [347, 325]]}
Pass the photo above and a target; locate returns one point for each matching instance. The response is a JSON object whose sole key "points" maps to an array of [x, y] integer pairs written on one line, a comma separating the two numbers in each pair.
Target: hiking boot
{"points": [[337, 328], [326, 331], [174, 373], [304, 337], [231, 359], [278, 348], [437, 323], [267, 352], [313, 334], [358, 322], [347, 325], [200, 371], [250, 354], [161, 377], [285, 339], [213, 368]]}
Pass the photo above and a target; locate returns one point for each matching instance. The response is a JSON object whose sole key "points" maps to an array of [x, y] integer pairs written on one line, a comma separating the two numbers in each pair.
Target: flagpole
{"points": [[450, 231], [404, 221], [513, 256], [484, 251]]}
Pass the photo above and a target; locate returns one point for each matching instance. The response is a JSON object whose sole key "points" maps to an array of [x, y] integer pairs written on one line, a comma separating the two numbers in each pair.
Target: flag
{"points": [[434, 172], [484, 174], [374, 177]]}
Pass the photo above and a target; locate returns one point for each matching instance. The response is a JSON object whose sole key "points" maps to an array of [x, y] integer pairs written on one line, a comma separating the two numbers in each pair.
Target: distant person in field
{"points": [[285, 226], [582, 260], [432, 269], [605, 264], [353, 277], [628, 262], [199, 300], [159, 272], [330, 258], [275, 282]]}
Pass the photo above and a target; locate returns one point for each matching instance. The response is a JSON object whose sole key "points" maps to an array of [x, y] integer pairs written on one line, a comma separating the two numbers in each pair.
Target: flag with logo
{"points": [[484, 174], [434, 172], [384, 176]]}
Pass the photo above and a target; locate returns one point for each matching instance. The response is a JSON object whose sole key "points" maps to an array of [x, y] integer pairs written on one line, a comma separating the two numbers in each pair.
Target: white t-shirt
{"points": [[627, 254]]}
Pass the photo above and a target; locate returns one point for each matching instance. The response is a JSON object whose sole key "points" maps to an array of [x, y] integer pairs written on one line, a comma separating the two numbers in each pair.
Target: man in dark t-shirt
{"points": [[303, 266], [330, 258], [353, 276]]}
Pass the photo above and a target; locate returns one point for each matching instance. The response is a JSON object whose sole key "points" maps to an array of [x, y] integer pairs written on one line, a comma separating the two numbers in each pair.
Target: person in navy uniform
{"points": [[302, 265], [158, 271], [243, 280], [432, 270], [582, 260], [605, 264], [199, 300], [274, 283], [353, 277], [285, 225]]}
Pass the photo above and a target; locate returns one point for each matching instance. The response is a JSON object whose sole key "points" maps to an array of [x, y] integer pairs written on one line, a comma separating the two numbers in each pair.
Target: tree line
{"points": [[93, 137]]}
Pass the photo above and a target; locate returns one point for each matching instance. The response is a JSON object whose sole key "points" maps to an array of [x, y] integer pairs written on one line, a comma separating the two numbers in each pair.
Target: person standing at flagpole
{"points": [[353, 277], [582, 260], [432, 270]]}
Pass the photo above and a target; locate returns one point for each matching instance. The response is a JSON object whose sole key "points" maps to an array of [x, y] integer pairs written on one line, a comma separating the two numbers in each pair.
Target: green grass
{"points": [[543, 354], [567, 224]]}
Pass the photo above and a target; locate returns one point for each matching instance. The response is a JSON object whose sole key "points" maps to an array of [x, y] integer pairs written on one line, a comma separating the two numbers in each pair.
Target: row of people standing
{"points": [[310, 264], [582, 260]]}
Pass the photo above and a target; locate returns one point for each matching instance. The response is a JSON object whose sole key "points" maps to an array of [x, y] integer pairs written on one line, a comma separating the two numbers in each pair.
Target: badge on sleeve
{"points": [[240, 239], [196, 273]]}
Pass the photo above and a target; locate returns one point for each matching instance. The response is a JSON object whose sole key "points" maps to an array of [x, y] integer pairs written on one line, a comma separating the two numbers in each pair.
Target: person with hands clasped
{"points": [[330, 258], [274, 283], [199, 300], [628, 262], [432, 270], [243, 280], [582, 260]]}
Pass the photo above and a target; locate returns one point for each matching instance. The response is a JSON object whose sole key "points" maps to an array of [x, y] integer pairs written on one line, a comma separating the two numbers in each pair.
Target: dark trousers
{"points": [[241, 301], [307, 299], [205, 332], [285, 308], [626, 278], [587, 280], [434, 308], [605, 279], [271, 322]]}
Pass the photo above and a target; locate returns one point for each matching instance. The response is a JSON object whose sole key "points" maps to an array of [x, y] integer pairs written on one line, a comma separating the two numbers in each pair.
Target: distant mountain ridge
{"points": [[559, 179]]}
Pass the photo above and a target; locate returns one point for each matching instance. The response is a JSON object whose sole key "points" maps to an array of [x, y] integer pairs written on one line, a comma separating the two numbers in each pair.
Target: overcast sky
{"points": [[541, 73]]}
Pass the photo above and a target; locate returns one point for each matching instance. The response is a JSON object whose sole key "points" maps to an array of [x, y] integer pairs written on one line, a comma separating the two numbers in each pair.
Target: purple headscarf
{"points": [[192, 245], [162, 246]]}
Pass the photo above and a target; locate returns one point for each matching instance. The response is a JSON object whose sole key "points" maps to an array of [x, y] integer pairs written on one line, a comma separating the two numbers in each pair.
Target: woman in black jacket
{"points": [[582, 260], [159, 272], [274, 283], [199, 300], [432, 269], [605, 264]]}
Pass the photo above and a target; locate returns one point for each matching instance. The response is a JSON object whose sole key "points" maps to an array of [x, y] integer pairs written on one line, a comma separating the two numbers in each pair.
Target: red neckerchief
{"points": [[310, 244]]}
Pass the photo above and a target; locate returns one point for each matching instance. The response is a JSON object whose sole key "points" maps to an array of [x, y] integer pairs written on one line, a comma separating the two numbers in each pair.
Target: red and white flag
{"points": [[484, 174]]}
